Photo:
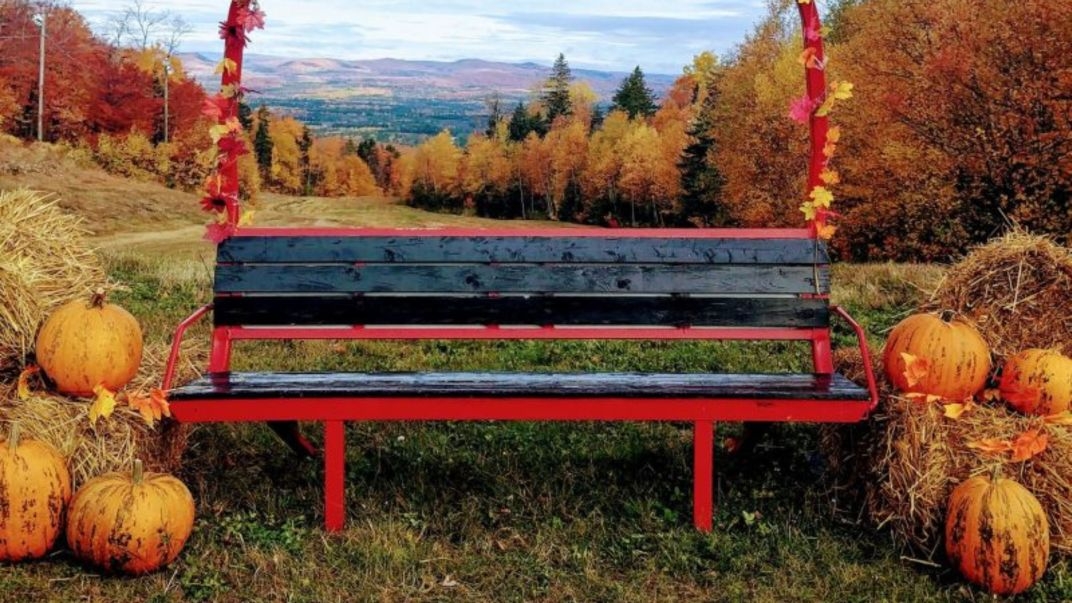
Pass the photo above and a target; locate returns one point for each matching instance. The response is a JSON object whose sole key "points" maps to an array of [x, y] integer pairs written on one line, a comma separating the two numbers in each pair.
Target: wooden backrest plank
{"points": [[432, 248]]}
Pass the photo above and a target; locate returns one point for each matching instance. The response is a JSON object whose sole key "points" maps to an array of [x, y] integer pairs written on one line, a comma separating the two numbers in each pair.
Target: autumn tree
{"points": [[433, 175], [634, 97], [262, 143]]}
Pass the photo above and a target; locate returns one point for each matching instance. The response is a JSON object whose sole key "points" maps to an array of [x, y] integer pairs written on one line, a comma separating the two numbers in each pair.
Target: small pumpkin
{"points": [[34, 493], [996, 534], [955, 357], [82, 345], [134, 522], [1037, 381]]}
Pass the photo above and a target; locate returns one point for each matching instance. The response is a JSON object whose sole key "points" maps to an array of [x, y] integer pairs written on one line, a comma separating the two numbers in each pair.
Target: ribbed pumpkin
{"points": [[1037, 381], [34, 493], [956, 355], [82, 345], [996, 534], [133, 522]]}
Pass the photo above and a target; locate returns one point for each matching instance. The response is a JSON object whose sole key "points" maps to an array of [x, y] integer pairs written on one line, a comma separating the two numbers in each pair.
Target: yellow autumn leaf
{"points": [[1061, 418], [229, 91], [916, 368], [830, 177], [956, 409], [922, 398], [829, 149], [233, 124], [991, 445], [103, 404], [808, 209], [826, 231], [24, 381], [821, 197], [246, 218], [218, 131], [227, 66], [803, 1], [841, 90], [825, 108]]}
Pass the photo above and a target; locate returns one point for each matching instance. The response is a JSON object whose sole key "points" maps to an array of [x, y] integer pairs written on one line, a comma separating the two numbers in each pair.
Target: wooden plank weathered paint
{"points": [[525, 249], [535, 310], [522, 278], [237, 385]]}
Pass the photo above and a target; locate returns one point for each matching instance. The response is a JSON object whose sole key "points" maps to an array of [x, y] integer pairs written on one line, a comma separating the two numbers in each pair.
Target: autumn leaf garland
{"points": [[817, 208], [220, 192]]}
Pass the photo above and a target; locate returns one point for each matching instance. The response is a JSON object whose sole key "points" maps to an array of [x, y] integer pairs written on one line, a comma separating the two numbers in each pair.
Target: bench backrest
{"points": [[659, 283]]}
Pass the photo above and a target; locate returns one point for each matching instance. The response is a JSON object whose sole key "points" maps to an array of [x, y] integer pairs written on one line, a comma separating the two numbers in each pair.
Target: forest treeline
{"points": [[961, 122]]}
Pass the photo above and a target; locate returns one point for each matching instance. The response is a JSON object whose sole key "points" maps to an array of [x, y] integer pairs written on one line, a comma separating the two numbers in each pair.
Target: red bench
{"points": [[665, 284]]}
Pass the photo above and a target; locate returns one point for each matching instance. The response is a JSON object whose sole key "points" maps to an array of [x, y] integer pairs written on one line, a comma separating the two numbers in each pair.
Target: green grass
{"points": [[509, 511]]}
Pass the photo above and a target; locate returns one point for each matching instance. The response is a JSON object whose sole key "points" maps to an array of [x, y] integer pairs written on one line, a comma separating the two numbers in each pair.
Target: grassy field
{"points": [[493, 511]]}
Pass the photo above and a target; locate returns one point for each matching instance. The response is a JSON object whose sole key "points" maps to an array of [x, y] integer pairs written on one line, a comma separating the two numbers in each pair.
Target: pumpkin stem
{"points": [[995, 475], [139, 471], [97, 301], [948, 315], [13, 436]]}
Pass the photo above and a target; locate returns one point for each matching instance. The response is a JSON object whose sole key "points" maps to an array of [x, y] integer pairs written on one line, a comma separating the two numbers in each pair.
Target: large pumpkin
{"points": [[954, 358], [83, 345], [132, 522], [34, 493], [1037, 381], [996, 534]]}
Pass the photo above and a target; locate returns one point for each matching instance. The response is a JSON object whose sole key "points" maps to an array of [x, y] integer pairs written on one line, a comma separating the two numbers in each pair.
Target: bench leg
{"points": [[703, 468], [334, 475]]}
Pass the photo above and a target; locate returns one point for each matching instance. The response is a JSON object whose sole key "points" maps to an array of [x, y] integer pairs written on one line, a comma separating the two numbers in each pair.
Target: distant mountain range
{"points": [[393, 99]]}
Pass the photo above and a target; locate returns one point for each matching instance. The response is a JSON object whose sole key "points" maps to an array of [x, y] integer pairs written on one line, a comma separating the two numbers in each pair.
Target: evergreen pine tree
{"points": [[701, 181], [245, 116], [304, 145], [262, 144], [556, 97], [521, 124], [634, 97]]}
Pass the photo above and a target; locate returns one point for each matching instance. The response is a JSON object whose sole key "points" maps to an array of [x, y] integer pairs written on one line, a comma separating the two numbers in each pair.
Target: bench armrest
{"points": [[865, 353], [176, 342]]}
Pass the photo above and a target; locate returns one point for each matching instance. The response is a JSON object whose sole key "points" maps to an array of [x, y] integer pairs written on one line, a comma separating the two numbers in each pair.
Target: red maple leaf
{"points": [[217, 232], [251, 19], [216, 107], [800, 110]]}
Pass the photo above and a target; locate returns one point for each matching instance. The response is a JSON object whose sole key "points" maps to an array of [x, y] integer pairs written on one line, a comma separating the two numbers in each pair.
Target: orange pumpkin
{"points": [[1037, 382], [34, 493], [130, 522], [996, 534], [82, 345], [954, 359]]}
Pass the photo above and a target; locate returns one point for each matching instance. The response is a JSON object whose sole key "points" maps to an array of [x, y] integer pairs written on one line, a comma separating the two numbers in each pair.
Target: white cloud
{"points": [[609, 34]]}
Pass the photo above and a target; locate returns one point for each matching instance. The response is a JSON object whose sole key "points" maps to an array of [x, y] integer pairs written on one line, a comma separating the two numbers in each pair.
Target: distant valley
{"points": [[395, 100]]}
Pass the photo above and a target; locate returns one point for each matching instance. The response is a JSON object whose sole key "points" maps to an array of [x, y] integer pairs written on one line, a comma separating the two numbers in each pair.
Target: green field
{"points": [[491, 511]]}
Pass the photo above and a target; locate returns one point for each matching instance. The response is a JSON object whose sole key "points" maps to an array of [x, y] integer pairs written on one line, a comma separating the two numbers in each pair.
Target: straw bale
{"points": [[45, 261], [113, 443], [1018, 291]]}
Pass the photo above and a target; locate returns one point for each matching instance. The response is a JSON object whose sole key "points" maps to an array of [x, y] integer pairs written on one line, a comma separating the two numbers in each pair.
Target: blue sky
{"points": [[661, 37]]}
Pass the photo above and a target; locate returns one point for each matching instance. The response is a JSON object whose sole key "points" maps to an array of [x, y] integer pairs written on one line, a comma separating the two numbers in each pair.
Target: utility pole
{"points": [[39, 19], [167, 76]]}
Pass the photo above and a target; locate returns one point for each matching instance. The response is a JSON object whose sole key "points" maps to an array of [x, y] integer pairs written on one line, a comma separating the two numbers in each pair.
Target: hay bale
{"points": [[113, 443], [45, 261], [924, 455], [900, 466], [1018, 291]]}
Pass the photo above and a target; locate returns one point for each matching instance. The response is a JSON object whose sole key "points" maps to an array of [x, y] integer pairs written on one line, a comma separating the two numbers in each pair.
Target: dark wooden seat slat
{"points": [[565, 248], [536, 310], [521, 278], [259, 385]]}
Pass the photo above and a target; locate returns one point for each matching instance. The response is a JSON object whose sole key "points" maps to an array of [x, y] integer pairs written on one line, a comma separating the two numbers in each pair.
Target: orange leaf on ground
{"points": [[152, 406], [922, 398], [1029, 444], [1021, 396], [24, 381], [916, 368], [991, 445]]}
